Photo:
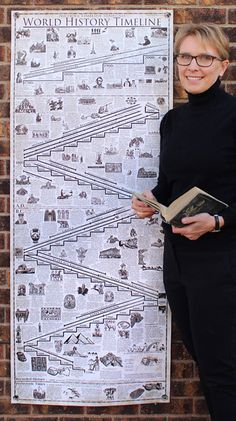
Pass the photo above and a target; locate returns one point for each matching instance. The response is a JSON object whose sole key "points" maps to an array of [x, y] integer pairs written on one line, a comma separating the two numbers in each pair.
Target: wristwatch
{"points": [[217, 224]]}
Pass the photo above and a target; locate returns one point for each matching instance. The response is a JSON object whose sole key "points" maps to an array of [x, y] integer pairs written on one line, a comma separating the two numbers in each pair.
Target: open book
{"points": [[192, 202]]}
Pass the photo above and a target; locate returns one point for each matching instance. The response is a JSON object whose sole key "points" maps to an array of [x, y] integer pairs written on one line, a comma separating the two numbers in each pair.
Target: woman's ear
{"points": [[224, 66]]}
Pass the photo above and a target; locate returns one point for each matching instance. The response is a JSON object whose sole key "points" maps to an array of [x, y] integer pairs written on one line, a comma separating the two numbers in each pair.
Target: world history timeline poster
{"points": [[90, 319]]}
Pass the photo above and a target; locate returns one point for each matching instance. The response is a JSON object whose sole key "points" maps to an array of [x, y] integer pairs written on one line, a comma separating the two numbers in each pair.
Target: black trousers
{"points": [[201, 290]]}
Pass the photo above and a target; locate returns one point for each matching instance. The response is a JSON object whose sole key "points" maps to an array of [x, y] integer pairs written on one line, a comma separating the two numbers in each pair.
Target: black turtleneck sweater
{"points": [[198, 148]]}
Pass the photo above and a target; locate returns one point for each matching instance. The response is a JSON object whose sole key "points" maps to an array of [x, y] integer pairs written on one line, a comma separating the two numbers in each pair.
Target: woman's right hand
{"points": [[141, 209]]}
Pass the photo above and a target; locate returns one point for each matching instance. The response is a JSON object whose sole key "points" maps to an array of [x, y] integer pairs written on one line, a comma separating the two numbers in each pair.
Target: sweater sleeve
{"points": [[229, 214], [162, 190]]}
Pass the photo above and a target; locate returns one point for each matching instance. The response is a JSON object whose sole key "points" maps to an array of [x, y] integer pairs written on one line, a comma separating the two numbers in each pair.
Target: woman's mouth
{"points": [[194, 77]]}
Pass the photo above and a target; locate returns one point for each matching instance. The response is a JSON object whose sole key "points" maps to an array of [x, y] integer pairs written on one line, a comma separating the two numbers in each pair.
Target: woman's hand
{"points": [[141, 209], [197, 225]]}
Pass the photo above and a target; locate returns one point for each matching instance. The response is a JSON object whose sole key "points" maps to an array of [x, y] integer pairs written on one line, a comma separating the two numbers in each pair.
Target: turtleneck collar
{"points": [[206, 96]]}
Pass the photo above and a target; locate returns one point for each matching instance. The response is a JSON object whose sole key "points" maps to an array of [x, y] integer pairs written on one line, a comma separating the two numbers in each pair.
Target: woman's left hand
{"points": [[196, 226]]}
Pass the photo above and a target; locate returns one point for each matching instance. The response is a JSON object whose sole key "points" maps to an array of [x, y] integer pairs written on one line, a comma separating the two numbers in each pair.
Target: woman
{"points": [[198, 148]]}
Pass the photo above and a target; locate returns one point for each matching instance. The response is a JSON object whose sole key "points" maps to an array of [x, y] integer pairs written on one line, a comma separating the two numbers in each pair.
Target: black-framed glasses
{"points": [[202, 60]]}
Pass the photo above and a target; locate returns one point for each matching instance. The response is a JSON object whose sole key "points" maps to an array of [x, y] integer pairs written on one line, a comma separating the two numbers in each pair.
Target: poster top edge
{"points": [[97, 11]]}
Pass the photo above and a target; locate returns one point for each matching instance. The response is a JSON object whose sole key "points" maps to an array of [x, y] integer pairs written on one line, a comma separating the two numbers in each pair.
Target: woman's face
{"points": [[196, 79]]}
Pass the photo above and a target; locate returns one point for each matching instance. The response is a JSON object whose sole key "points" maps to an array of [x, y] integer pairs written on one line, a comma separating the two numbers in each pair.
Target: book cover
{"points": [[199, 204], [191, 203]]}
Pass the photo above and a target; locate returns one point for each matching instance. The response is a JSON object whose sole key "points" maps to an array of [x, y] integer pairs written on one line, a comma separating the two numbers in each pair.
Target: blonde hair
{"points": [[206, 32]]}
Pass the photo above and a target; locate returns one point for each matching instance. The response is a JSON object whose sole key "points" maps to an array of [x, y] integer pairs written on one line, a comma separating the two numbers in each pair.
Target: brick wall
{"points": [[187, 403]]}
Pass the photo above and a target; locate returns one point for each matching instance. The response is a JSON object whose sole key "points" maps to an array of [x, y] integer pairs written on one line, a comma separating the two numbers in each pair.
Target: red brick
{"points": [[2, 128], [207, 2], [2, 351], [205, 418], [231, 32], [7, 241], [181, 16], [2, 242], [216, 2], [8, 351], [182, 369], [5, 186], [8, 205], [198, 15], [179, 352], [179, 2], [4, 369], [4, 259], [2, 316], [2, 91], [7, 408], [155, 418], [120, 410], [32, 419], [5, 34], [127, 2], [40, 409], [57, 409], [4, 223], [232, 53], [232, 16], [51, 2], [4, 334], [175, 333], [8, 166], [4, 296], [2, 167], [231, 88], [101, 2], [3, 277], [4, 148], [2, 204], [8, 2], [155, 2], [2, 52], [81, 3], [176, 406], [5, 72], [7, 92], [2, 16], [186, 388], [8, 387], [4, 108], [7, 314], [200, 407], [1, 387], [231, 72], [88, 419], [8, 130], [8, 54]]}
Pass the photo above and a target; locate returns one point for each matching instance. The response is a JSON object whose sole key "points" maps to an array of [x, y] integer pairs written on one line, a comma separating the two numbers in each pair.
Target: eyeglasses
{"points": [[202, 60]]}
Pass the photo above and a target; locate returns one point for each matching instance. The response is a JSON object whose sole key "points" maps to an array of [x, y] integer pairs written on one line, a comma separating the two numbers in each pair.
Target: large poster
{"points": [[90, 320]]}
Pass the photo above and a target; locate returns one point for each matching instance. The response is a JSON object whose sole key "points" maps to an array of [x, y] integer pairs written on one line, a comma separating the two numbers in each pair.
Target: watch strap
{"points": [[217, 223]]}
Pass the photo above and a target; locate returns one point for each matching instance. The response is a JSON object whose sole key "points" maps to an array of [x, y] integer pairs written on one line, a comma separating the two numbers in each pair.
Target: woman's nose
{"points": [[193, 64]]}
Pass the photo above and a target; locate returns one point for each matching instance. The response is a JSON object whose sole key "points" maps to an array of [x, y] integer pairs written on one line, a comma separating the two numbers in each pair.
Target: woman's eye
{"points": [[186, 56]]}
